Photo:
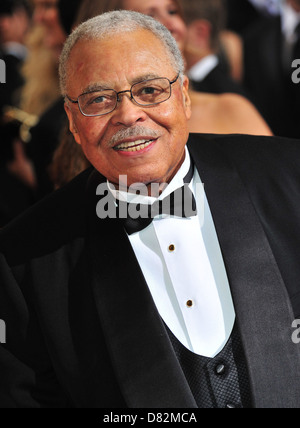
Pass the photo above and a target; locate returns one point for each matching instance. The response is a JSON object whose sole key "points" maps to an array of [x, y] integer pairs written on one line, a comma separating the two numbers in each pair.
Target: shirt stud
{"points": [[172, 248]]}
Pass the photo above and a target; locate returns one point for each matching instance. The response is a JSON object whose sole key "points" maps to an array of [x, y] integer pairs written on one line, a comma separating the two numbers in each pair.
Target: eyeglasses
{"points": [[146, 93]]}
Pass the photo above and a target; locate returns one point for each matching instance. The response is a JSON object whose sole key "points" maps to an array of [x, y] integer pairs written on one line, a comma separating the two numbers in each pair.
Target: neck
{"points": [[193, 55], [154, 188]]}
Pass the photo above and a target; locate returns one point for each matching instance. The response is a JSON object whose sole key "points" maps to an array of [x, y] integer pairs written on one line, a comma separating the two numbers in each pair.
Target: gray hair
{"points": [[117, 22]]}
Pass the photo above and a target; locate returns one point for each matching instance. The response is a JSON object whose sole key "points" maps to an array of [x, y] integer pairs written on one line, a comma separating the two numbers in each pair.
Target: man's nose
{"points": [[127, 111]]}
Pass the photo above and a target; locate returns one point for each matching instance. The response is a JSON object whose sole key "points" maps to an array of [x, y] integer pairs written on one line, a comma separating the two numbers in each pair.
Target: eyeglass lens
{"points": [[145, 93]]}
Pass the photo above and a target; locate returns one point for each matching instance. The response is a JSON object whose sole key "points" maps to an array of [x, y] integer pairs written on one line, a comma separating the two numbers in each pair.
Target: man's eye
{"points": [[98, 100], [149, 91]]}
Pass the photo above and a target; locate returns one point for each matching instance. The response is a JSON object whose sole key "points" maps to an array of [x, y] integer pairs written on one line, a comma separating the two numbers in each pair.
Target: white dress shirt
{"points": [[289, 21], [202, 69], [182, 264], [272, 7]]}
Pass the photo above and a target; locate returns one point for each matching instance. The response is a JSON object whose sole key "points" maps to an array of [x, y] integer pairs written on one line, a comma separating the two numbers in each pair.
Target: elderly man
{"points": [[186, 303]]}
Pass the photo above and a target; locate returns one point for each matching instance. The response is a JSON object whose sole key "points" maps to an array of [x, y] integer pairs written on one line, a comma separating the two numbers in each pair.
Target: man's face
{"points": [[117, 63]]}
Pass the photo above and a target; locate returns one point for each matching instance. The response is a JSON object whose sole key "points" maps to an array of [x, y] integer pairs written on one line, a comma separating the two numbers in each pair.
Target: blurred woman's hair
{"points": [[68, 161], [40, 72], [91, 8]]}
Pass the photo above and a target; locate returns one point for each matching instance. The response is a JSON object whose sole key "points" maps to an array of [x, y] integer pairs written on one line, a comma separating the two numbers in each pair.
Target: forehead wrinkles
{"points": [[131, 53]]}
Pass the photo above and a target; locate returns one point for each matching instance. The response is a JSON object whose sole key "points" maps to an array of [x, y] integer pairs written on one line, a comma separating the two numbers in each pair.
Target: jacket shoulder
{"points": [[47, 226], [247, 143], [253, 156]]}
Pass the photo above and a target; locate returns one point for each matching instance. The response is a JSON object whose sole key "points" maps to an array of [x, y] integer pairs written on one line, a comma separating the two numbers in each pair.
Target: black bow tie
{"points": [[180, 203]]}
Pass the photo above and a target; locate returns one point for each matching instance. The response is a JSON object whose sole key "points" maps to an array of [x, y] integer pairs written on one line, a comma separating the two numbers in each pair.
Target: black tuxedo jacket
{"points": [[82, 328], [269, 85]]}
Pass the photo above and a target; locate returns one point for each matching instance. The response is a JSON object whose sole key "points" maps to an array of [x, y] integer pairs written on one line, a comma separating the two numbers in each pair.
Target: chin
{"points": [[147, 180]]}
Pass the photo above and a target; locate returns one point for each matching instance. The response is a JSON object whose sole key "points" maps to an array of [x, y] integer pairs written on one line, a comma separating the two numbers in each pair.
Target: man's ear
{"points": [[186, 97], [72, 125]]}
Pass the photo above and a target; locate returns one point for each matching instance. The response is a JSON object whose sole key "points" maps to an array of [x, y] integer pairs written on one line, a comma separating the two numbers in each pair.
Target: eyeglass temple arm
{"points": [[70, 99], [174, 81]]}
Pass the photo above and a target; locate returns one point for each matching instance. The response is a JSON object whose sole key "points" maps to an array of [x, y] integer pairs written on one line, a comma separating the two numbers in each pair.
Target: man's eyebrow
{"points": [[93, 87], [147, 76]]}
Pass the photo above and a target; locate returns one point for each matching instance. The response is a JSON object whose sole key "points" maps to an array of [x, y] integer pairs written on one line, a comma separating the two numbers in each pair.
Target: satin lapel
{"points": [[145, 363], [262, 305]]}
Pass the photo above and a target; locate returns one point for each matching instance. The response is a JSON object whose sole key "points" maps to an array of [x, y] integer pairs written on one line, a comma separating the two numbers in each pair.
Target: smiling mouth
{"points": [[134, 146]]}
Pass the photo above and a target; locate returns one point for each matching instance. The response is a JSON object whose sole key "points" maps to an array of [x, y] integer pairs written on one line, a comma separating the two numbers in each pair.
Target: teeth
{"points": [[135, 146]]}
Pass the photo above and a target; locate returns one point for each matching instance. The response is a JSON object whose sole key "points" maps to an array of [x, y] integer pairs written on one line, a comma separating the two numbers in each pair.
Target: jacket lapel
{"points": [[262, 304], [146, 366]]}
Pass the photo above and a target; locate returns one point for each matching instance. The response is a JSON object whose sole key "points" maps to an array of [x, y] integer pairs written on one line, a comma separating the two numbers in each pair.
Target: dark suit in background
{"points": [[15, 196], [240, 15], [45, 138], [14, 80], [268, 81], [218, 82], [82, 327]]}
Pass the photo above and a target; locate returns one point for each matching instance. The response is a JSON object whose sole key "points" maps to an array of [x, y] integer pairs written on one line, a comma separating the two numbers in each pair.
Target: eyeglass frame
{"points": [[171, 82]]}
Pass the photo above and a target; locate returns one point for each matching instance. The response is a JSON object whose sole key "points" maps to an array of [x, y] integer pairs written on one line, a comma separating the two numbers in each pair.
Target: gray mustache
{"points": [[132, 133]]}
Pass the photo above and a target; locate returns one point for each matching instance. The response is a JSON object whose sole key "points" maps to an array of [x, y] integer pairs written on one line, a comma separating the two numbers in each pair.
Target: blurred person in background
{"points": [[268, 7], [15, 193], [270, 47], [56, 17], [240, 15], [14, 24], [38, 94], [41, 117], [207, 60], [41, 88], [231, 54], [46, 13]]}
